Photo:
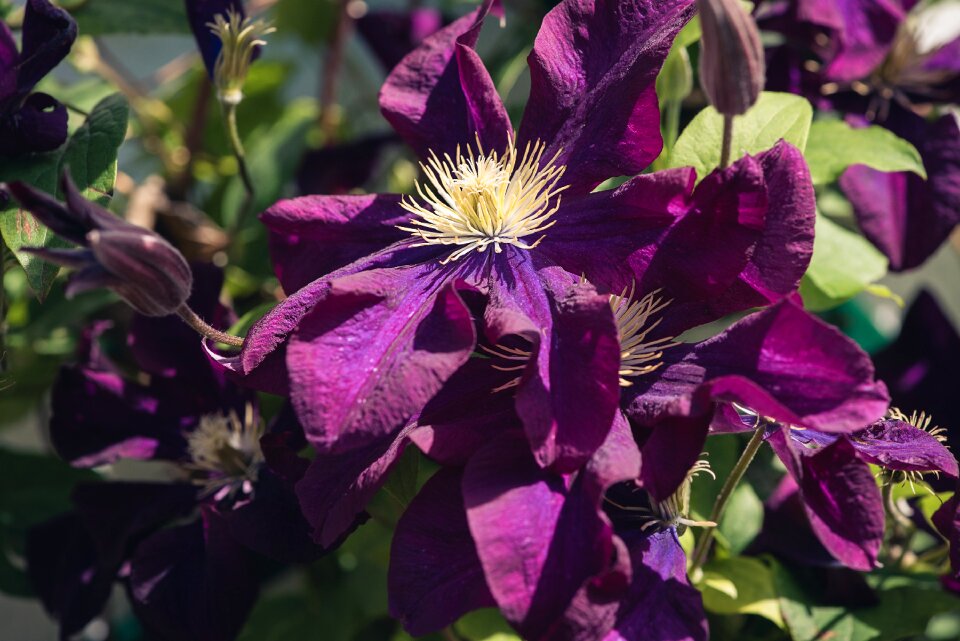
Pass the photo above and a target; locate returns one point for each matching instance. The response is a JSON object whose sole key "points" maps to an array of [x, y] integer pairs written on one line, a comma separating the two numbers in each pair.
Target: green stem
{"points": [[230, 119], [727, 142], [700, 553], [672, 123], [900, 519], [3, 309], [191, 318]]}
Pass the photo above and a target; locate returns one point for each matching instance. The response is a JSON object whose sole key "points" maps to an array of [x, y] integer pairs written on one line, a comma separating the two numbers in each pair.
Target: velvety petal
{"points": [[372, 354], [202, 12], [570, 390], [906, 217], [841, 498], [670, 448], [539, 536], [781, 362], [786, 529], [897, 445], [435, 575], [947, 521], [39, 125], [341, 168], [441, 96], [593, 71], [312, 236], [921, 365], [48, 34], [392, 34], [868, 31], [742, 239], [192, 583], [661, 603], [9, 57], [337, 487]]}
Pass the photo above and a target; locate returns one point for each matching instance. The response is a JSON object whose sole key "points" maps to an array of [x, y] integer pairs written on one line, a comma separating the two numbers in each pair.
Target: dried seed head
{"points": [[731, 56]]}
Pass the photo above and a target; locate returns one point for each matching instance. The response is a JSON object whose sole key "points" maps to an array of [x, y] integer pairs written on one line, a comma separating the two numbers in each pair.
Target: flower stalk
{"points": [[727, 141], [699, 556], [233, 133], [191, 318]]}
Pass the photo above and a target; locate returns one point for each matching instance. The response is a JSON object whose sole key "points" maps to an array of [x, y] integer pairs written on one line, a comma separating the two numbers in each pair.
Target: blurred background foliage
{"points": [[310, 124]]}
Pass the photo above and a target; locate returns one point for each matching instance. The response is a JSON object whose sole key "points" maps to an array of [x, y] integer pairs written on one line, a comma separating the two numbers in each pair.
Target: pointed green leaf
{"points": [[91, 155], [834, 145]]}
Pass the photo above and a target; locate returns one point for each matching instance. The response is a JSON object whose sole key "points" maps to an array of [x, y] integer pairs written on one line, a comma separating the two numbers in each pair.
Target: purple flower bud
{"points": [[731, 56], [136, 263]]}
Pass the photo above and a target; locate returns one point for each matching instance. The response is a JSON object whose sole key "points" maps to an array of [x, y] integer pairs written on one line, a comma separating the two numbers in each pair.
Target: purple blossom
{"points": [[379, 321], [232, 498], [33, 122], [874, 61]]}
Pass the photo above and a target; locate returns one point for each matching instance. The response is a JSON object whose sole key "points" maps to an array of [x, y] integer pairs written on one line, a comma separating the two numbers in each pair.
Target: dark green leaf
{"points": [[99, 17]]}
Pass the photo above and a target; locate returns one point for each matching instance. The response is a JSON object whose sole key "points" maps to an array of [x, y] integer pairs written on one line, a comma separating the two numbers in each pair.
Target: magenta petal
{"points": [[441, 96], [592, 72], [898, 445], [435, 575], [661, 603], [947, 521], [781, 362], [906, 217], [673, 446], [312, 236], [371, 355], [337, 487], [868, 31]]}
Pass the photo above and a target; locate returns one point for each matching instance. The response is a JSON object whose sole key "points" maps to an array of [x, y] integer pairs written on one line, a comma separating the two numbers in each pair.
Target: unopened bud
{"points": [[731, 56], [240, 38]]}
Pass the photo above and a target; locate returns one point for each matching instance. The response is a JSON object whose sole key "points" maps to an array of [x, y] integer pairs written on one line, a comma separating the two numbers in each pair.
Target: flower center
{"points": [[638, 356], [225, 454], [672, 512], [480, 199], [240, 37]]}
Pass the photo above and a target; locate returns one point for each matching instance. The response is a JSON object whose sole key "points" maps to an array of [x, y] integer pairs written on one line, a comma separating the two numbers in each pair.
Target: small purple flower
{"points": [[231, 497], [380, 321], [33, 122], [136, 263]]}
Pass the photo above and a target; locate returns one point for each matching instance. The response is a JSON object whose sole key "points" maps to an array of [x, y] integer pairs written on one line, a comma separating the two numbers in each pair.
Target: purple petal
{"points": [[742, 239], [372, 354], [921, 365], [842, 500], [672, 447], [868, 31], [192, 583], [51, 213], [435, 575], [340, 168], [592, 72], [313, 236], [661, 603], [782, 362], [898, 445], [786, 529], [570, 390], [441, 96], [906, 217], [202, 12], [337, 487], [539, 536], [9, 57], [48, 34], [39, 125], [947, 521]]}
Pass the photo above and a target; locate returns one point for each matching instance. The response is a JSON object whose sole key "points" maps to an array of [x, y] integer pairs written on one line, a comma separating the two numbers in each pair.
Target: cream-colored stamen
{"points": [[480, 199], [637, 355], [240, 38], [225, 453]]}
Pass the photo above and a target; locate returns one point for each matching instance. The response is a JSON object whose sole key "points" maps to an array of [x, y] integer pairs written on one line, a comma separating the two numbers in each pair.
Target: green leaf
{"points": [[740, 585], [33, 488], [485, 625], [313, 21], [834, 145], [903, 611], [775, 116], [743, 518], [99, 17], [402, 484], [91, 155], [844, 263]]}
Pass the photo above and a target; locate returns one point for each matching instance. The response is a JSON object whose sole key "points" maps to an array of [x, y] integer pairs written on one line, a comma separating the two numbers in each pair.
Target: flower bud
{"points": [[151, 274], [731, 56]]}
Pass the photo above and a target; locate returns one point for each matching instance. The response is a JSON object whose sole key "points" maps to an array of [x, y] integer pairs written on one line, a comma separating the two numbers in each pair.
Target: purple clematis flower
{"points": [[379, 321], [879, 64], [33, 122], [392, 34], [232, 501]]}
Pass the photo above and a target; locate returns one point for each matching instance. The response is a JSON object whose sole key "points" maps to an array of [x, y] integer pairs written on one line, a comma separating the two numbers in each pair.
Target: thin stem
{"points": [[700, 553], [3, 309], [331, 75], [899, 518], [191, 318], [672, 123], [230, 120], [448, 634], [727, 141]]}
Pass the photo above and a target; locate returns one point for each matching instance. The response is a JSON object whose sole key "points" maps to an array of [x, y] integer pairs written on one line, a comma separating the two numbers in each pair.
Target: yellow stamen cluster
{"points": [[476, 200], [240, 38], [637, 355], [225, 452], [921, 421]]}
